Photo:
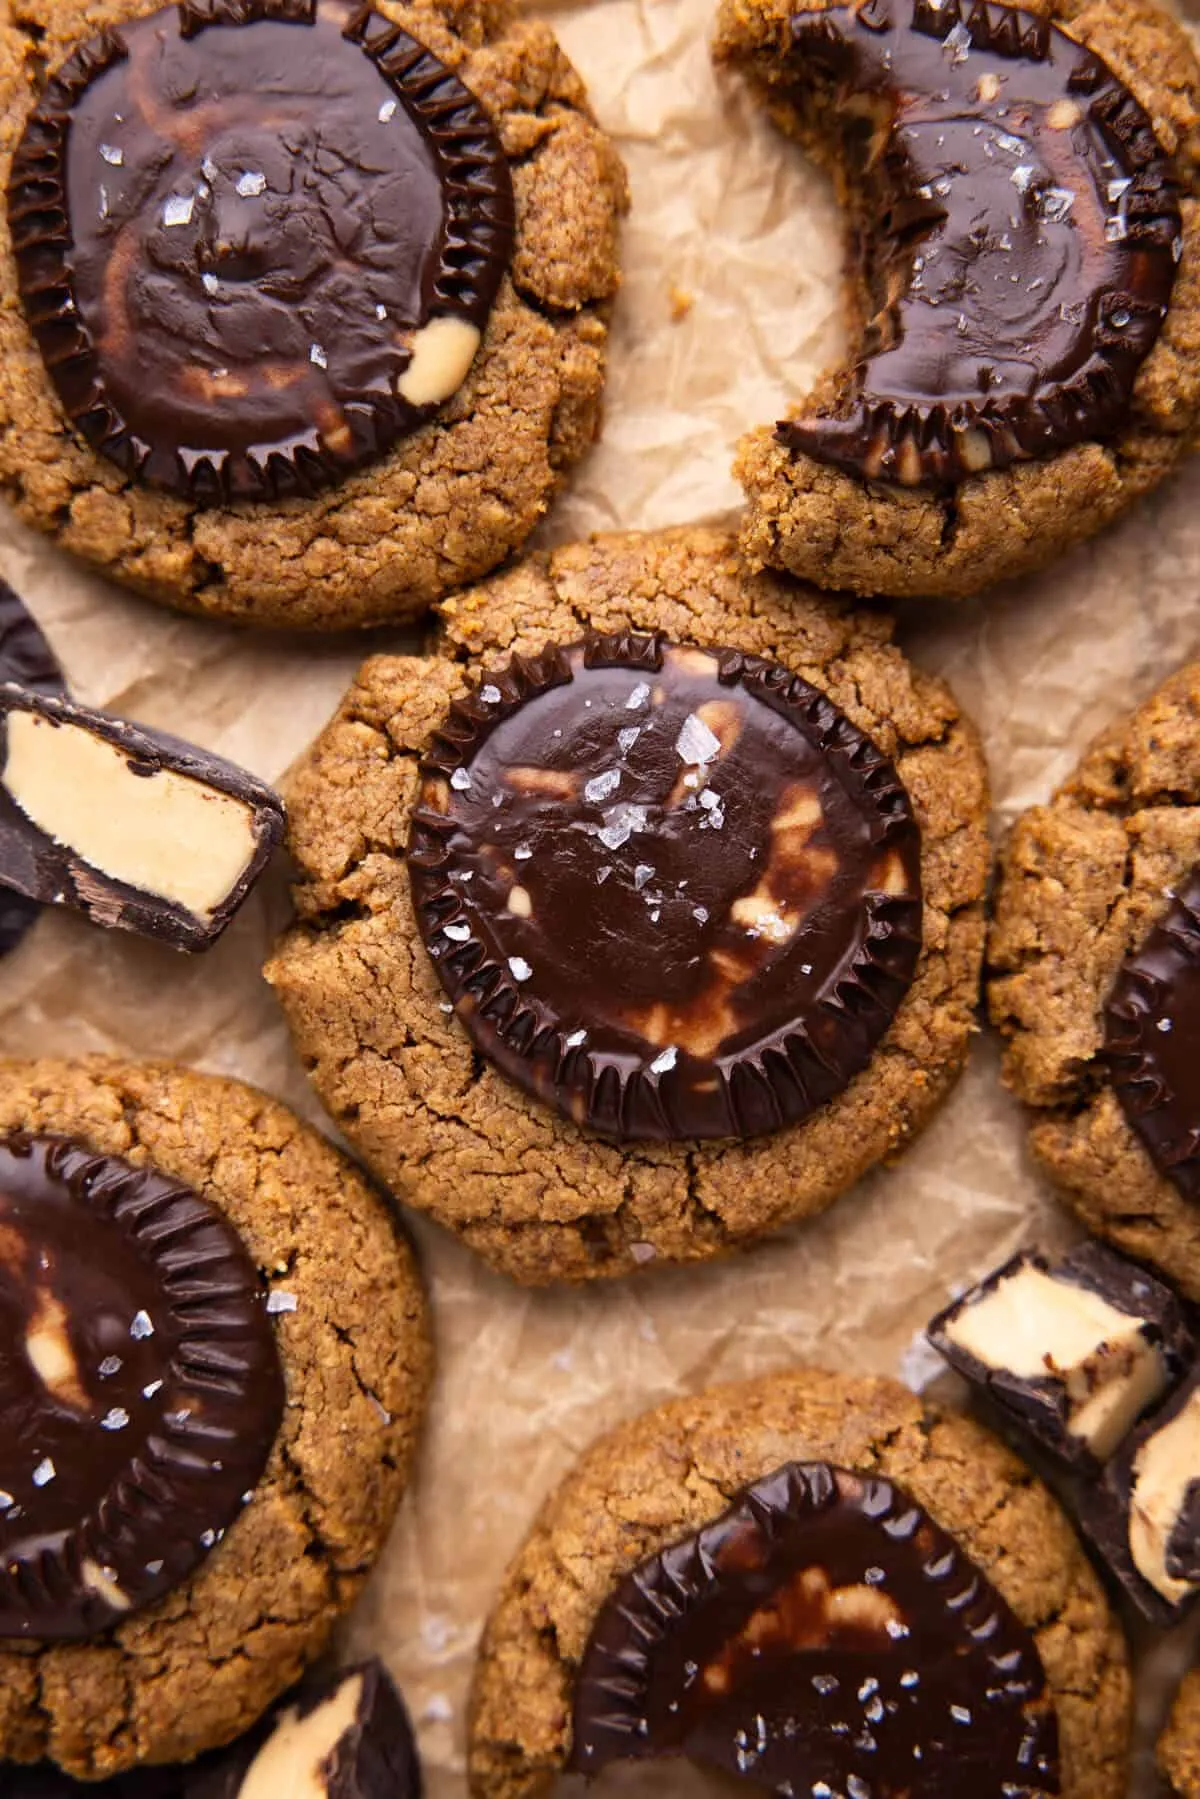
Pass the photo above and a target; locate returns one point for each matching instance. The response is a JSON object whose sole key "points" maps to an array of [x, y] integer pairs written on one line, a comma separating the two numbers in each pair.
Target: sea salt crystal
{"points": [[460, 780], [638, 697], [663, 1063], [317, 356], [620, 823], [627, 738], [251, 184], [387, 111], [957, 43], [641, 875], [141, 1327], [113, 155], [601, 787], [700, 914], [603, 874], [1164, 1024], [521, 970], [155, 1568], [1022, 175], [44, 1473], [695, 742], [115, 1419], [178, 209], [1055, 203], [154, 1387], [575, 1039], [522, 853], [491, 696], [210, 284], [282, 1302], [112, 1364]]}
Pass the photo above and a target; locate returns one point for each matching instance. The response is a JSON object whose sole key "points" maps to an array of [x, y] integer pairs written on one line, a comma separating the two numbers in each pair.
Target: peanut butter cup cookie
{"points": [[644, 917], [1179, 1748], [1020, 191], [1095, 952], [214, 1365], [305, 300], [813, 1583]]}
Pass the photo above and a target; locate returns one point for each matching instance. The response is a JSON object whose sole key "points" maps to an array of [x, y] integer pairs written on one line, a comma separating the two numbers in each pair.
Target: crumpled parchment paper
{"points": [[730, 304]]}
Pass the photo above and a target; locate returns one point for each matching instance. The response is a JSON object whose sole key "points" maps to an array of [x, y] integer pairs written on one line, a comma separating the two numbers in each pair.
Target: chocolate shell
{"points": [[673, 892], [25, 657], [1022, 231], [824, 1636], [140, 1386], [257, 241], [1151, 1022]]}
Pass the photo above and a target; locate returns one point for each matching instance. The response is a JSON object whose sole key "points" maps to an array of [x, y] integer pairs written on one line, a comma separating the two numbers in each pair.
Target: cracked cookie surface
{"points": [[833, 527], [1179, 1746], [199, 1667], [444, 505], [1082, 881], [536, 1195], [673, 1470]]}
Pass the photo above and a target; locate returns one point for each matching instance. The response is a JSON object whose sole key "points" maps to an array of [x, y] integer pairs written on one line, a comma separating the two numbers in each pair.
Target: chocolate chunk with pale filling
{"points": [[1075, 1354], [140, 1386], [138, 830], [1021, 233], [26, 658], [824, 1636], [257, 241], [1151, 1031], [672, 891]]}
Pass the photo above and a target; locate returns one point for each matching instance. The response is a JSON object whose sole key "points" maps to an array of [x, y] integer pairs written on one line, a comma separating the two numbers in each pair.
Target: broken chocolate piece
{"points": [[257, 242], [1151, 1022], [140, 1386], [140, 831], [26, 658], [823, 1636], [672, 891], [1022, 232], [1075, 1354]]}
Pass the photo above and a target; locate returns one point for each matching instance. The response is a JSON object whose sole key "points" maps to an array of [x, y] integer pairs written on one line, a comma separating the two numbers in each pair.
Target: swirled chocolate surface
{"points": [[27, 659], [1151, 1027], [824, 1637], [672, 891], [1022, 236], [257, 241], [140, 1386]]}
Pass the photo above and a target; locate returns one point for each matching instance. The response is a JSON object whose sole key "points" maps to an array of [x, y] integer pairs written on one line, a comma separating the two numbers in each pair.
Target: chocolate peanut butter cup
{"points": [[1151, 1020], [140, 1386], [1021, 234], [26, 658], [825, 1637], [673, 891], [257, 241]]}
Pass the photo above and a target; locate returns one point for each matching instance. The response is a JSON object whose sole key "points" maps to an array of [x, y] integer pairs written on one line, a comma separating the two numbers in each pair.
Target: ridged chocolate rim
{"points": [[801, 1067], [26, 658], [1165, 1121], [196, 1471], [475, 250], [927, 444]]}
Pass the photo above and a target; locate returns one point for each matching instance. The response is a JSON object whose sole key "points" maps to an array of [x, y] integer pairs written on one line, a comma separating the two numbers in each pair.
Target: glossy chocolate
{"points": [[824, 1636], [1021, 236], [232, 222], [140, 1386], [1151, 1031], [674, 892], [27, 658]]}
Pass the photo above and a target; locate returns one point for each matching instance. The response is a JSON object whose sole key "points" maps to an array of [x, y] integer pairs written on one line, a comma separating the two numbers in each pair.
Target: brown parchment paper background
{"points": [[724, 214]]}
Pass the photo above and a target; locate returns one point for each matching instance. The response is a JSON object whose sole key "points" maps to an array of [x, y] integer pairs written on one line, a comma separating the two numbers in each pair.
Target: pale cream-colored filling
{"points": [[1165, 1467], [103, 1583], [291, 1761], [48, 1347], [163, 833], [442, 352], [1034, 1326]]}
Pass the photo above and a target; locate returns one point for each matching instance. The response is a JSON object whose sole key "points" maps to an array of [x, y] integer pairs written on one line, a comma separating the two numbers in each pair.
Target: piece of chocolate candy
{"points": [[1022, 233], [1151, 1029], [672, 891], [140, 1386], [138, 830], [1075, 1354], [26, 658], [824, 1636], [257, 241]]}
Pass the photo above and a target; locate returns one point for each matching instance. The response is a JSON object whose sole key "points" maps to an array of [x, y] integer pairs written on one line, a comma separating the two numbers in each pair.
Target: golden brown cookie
{"points": [[1179, 1746], [674, 1471], [539, 1195], [470, 474], [1025, 210], [342, 1295], [1086, 884]]}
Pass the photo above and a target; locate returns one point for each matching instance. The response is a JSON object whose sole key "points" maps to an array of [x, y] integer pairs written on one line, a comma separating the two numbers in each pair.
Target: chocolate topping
{"points": [[140, 1386], [1151, 1025], [257, 241], [1024, 234], [823, 1636], [27, 658], [672, 891]]}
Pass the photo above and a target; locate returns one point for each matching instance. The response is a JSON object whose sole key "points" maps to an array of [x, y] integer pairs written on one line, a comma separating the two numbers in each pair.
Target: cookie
{"points": [[692, 935], [311, 366], [1022, 282], [1179, 1746], [184, 1525], [759, 1576], [27, 658], [1092, 986]]}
